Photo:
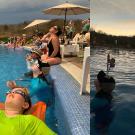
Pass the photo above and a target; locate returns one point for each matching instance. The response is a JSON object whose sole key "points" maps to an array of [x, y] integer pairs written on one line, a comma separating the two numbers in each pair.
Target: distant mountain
{"points": [[18, 29]]}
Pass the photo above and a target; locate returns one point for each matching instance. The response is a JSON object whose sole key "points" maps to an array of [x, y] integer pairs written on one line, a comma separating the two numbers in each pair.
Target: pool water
{"points": [[124, 93], [12, 67]]}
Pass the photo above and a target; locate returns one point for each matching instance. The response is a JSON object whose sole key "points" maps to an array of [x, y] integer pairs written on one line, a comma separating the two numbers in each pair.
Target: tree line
{"points": [[102, 39], [17, 29]]}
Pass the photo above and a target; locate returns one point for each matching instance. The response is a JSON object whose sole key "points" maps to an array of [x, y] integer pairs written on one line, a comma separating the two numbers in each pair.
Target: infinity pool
{"points": [[124, 93], [12, 67]]}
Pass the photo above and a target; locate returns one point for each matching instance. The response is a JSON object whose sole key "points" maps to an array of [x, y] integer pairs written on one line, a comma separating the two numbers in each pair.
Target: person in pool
{"points": [[35, 65], [101, 104], [12, 118]]}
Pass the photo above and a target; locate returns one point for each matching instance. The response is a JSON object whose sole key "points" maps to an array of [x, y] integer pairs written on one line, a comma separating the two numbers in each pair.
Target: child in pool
{"points": [[12, 118]]}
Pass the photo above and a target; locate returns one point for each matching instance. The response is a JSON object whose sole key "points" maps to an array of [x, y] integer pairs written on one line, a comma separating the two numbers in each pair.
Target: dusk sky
{"points": [[115, 17], [16, 11]]}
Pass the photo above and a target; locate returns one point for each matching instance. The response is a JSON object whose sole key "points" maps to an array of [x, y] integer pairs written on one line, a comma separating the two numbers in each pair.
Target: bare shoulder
{"points": [[55, 37]]}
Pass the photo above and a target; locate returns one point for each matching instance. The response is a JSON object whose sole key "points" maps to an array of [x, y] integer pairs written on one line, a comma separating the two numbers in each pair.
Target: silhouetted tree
{"points": [[102, 39]]}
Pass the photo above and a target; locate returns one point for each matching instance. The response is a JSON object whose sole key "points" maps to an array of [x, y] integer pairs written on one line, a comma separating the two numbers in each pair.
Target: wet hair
{"points": [[101, 75], [40, 34], [29, 102], [59, 31], [107, 83]]}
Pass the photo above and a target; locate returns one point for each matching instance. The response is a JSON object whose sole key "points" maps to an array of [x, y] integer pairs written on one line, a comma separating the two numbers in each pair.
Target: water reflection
{"points": [[124, 93]]}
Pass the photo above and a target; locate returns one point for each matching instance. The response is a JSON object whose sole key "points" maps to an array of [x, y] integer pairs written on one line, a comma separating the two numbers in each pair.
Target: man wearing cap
{"points": [[37, 67]]}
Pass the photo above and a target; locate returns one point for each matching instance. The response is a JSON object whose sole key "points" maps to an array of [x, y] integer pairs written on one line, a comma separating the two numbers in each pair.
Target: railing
{"points": [[85, 70]]}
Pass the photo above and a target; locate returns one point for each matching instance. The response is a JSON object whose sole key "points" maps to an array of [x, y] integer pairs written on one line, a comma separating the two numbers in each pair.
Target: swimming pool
{"points": [[12, 67], [124, 93]]}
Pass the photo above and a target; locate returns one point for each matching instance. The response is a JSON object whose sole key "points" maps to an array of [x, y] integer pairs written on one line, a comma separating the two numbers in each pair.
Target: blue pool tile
{"points": [[74, 110]]}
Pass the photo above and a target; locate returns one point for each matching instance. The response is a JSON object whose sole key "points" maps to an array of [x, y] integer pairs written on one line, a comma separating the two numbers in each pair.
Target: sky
{"points": [[17, 11], [116, 17]]}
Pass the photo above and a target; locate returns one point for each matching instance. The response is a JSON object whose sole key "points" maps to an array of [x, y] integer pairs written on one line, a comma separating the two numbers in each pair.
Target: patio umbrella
{"points": [[67, 9], [36, 23]]}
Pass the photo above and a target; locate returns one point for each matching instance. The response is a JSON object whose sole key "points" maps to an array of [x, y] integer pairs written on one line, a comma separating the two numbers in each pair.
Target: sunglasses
{"points": [[18, 92], [55, 27]]}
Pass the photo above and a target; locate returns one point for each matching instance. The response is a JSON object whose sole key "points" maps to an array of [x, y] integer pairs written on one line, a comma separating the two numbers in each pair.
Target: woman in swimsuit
{"points": [[53, 56]]}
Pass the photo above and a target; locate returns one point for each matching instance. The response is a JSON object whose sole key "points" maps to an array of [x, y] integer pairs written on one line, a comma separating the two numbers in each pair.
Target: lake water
{"points": [[124, 93]]}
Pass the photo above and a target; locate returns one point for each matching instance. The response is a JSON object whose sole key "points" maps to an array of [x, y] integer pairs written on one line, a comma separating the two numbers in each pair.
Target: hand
{"points": [[11, 84], [44, 57], [28, 57], [35, 67]]}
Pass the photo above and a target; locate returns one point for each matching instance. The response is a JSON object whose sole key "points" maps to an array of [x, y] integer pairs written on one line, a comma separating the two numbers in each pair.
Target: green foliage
{"points": [[17, 29], [4, 39]]}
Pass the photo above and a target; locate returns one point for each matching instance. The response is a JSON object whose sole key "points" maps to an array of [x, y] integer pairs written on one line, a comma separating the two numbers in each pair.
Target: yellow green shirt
{"points": [[23, 125]]}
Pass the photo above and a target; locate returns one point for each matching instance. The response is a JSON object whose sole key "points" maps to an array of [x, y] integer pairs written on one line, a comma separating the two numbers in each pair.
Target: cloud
{"points": [[114, 8], [113, 5], [4, 4], [8, 3], [15, 5], [14, 11], [113, 16]]}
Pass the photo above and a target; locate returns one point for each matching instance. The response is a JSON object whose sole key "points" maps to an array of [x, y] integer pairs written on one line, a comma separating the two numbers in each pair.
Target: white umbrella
{"points": [[36, 22], [67, 9]]}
